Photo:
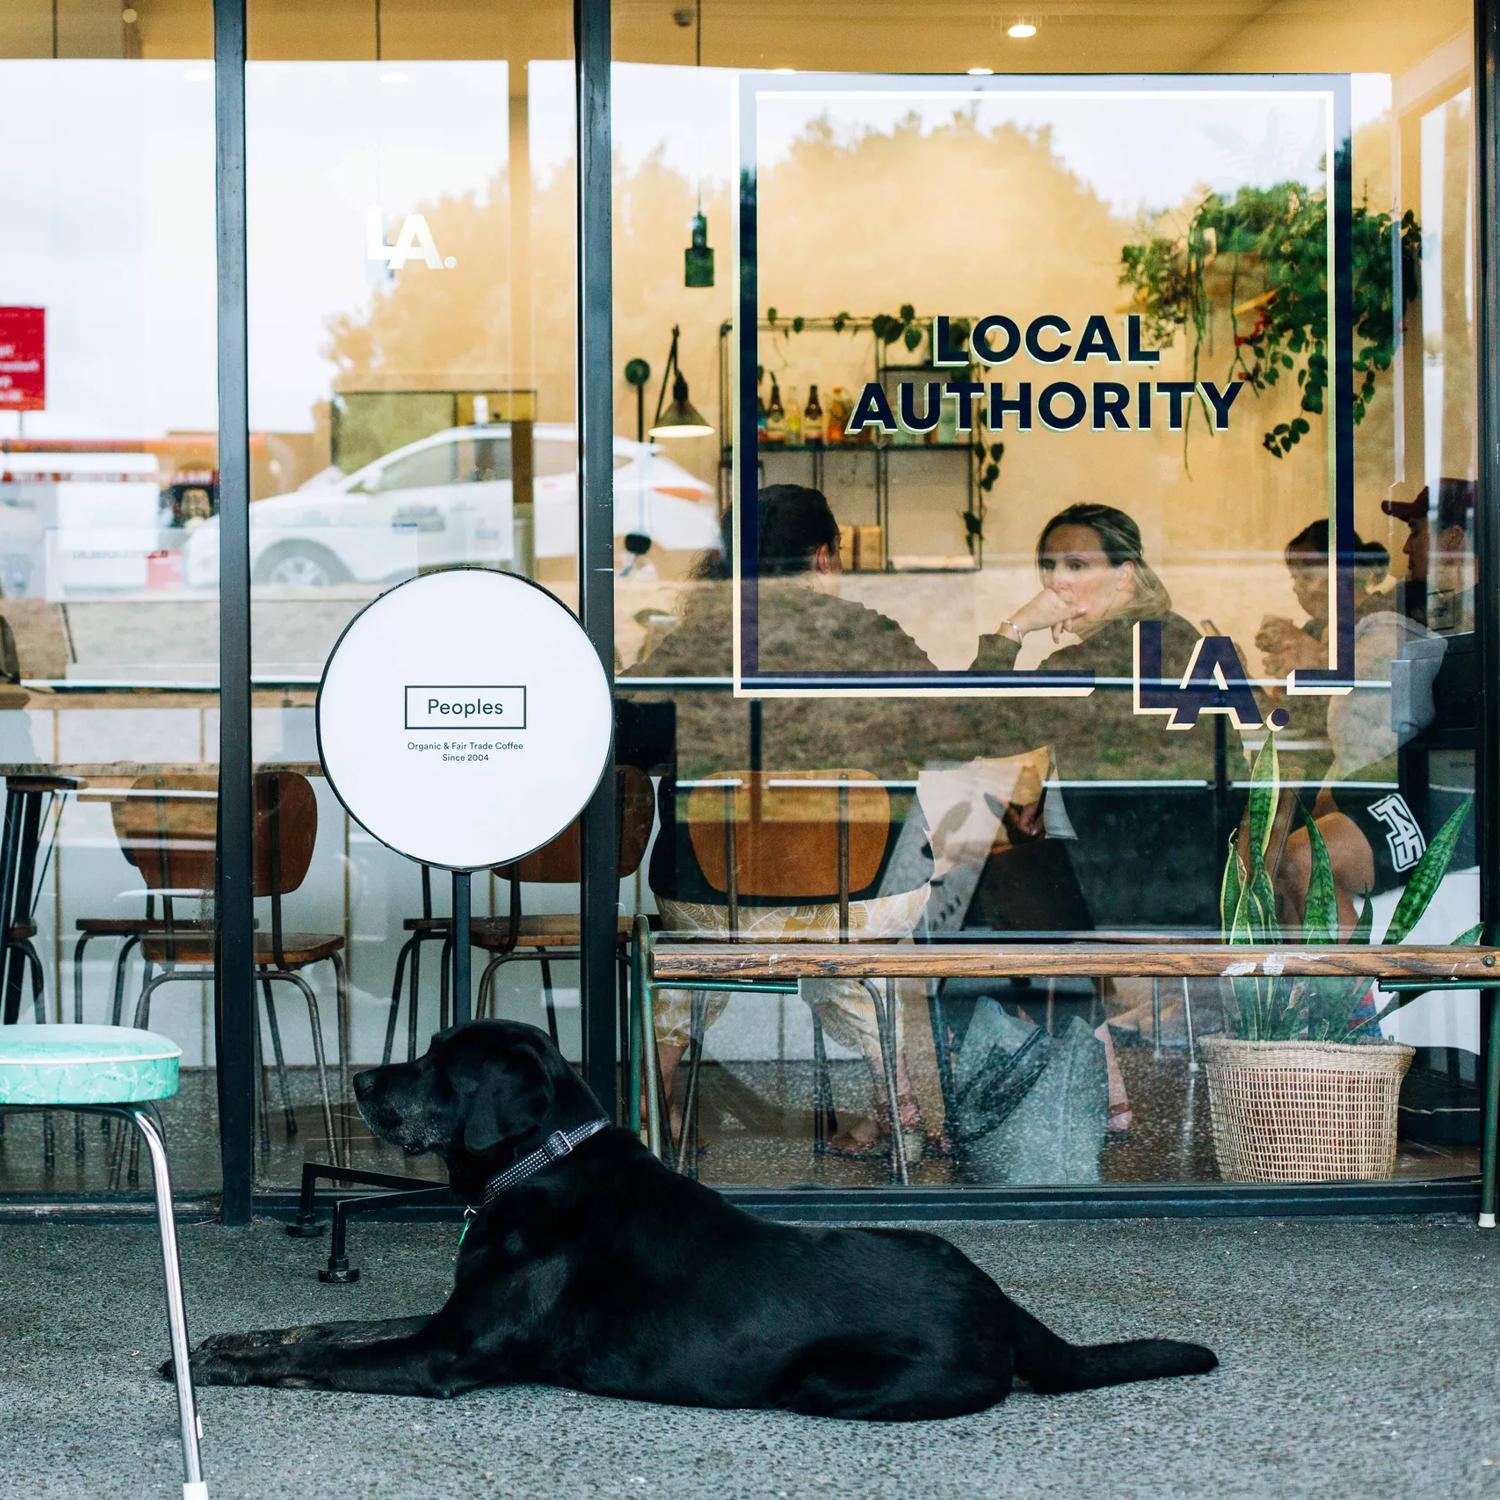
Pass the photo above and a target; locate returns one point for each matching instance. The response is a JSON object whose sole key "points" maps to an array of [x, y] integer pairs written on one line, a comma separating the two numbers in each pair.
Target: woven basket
{"points": [[1304, 1111]]}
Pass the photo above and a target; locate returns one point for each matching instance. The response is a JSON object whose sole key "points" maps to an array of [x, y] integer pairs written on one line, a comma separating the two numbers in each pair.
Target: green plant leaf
{"points": [[1320, 917], [1229, 888], [1265, 791], [1425, 878]]}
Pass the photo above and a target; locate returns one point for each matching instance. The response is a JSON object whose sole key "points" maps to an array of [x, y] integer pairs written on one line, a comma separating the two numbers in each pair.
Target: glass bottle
{"points": [[793, 417], [775, 416], [812, 420]]}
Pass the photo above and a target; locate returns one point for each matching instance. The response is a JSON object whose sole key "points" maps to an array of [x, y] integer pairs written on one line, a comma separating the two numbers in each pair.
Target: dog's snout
{"points": [[364, 1083]]}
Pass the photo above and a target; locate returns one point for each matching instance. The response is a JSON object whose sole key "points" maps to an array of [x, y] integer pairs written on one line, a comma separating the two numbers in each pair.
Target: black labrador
{"points": [[599, 1269]]}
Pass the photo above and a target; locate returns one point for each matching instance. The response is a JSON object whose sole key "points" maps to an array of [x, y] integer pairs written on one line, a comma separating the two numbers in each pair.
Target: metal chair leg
{"points": [[78, 947], [345, 1041], [39, 1013], [445, 960], [317, 1040], [548, 998], [885, 1030], [413, 998], [822, 1086], [1156, 1018], [687, 1143], [644, 994], [391, 1018], [149, 1129], [288, 1113], [262, 1089], [484, 1006], [122, 962]]}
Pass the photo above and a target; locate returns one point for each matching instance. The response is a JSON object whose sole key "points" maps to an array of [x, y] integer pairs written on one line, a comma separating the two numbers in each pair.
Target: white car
{"points": [[448, 499]]}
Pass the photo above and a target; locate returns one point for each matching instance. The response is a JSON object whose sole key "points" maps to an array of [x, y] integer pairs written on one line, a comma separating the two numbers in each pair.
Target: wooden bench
{"points": [[776, 968]]}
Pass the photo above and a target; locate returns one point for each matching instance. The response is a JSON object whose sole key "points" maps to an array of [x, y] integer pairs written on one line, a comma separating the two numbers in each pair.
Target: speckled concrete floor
{"points": [[1357, 1359]]}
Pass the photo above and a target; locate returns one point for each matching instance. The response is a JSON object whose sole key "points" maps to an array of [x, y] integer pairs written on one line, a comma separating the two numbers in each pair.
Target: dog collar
{"points": [[560, 1143]]}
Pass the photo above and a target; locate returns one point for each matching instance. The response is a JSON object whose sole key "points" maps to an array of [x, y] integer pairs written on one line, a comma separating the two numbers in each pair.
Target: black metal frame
{"points": [[235, 969], [236, 1021]]}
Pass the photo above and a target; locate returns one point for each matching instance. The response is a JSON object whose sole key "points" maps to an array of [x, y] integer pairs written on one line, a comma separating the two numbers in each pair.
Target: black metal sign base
{"points": [[401, 1191]]}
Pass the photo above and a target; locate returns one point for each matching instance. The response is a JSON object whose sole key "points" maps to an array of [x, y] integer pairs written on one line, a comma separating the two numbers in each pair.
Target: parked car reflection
{"points": [[449, 498]]}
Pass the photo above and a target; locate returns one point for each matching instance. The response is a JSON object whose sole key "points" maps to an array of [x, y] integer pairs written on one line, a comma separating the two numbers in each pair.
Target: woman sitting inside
{"points": [[1144, 856], [803, 625]]}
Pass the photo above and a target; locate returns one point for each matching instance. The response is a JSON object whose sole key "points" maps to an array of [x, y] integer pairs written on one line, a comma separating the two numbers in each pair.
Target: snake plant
{"points": [[1276, 1008]]}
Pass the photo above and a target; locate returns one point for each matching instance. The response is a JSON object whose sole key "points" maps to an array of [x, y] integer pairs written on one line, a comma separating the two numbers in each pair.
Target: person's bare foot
{"points": [[870, 1135]]}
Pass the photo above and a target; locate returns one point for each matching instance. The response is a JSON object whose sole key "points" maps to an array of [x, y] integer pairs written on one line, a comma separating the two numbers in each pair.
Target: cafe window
{"points": [[1079, 436], [1044, 484]]}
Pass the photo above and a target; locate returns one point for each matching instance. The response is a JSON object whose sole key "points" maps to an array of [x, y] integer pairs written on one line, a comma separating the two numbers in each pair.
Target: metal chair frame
{"points": [[824, 1118], [277, 970], [145, 1118]]}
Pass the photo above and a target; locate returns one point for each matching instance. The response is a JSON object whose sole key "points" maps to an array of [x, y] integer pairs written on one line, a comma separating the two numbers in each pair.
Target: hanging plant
{"points": [[1273, 245]]}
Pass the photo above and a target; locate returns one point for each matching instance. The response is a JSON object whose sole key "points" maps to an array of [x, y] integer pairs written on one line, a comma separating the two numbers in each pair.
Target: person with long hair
{"points": [[1141, 860]]}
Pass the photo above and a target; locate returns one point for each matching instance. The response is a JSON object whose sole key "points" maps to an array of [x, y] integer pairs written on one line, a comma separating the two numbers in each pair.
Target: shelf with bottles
{"points": [[784, 419]]}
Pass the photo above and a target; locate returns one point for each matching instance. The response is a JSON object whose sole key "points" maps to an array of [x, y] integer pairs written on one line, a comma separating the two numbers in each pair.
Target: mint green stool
{"points": [[115, 1070]]}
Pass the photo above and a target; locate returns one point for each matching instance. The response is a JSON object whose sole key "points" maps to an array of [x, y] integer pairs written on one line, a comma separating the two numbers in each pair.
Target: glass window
{"points": [[412, 214], [1189, 469], [108, 636]]}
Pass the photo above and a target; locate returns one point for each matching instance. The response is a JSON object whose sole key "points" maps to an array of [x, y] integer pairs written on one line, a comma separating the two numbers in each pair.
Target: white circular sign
{"points": [[464, 718]]}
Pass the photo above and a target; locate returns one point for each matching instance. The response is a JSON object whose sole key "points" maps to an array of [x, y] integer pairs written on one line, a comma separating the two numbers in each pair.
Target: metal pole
{"points": [[462, 945], [234, 930], [1487, 541], [599, 899]]}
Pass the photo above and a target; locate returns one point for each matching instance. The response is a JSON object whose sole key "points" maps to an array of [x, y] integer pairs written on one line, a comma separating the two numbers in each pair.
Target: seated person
{"points": [[1374, 834], [803, 625], [1441, 566]]}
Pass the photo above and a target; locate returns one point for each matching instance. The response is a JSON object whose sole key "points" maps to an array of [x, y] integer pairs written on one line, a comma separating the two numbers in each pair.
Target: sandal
{"points": [[913, 1135]]}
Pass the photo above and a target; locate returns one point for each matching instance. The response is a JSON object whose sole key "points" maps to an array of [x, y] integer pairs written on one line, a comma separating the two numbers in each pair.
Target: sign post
{"points": [[464, 720]]}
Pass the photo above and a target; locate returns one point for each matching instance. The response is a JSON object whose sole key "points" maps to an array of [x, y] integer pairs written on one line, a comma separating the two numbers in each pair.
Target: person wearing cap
{"points": [[1439, 551]]}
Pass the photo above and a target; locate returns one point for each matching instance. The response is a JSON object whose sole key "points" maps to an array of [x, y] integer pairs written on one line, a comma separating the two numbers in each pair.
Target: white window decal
{"points": [[1402, 835]]}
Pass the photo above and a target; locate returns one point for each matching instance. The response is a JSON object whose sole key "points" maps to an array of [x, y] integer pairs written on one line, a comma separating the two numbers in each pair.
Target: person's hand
{"points": [[1048, 610], [1284, 647]]}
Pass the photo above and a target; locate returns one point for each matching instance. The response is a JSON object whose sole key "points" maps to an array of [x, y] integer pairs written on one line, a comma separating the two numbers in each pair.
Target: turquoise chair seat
{"points": [[82, 1065]]}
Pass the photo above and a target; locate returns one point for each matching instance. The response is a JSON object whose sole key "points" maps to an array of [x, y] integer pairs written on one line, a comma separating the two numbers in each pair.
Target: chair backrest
{"points": [[561, 861], [286, 829], [168, 828], [789, 835]]}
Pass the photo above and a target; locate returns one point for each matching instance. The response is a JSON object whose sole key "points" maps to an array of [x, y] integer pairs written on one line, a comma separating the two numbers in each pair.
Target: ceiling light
{"points": [[980, 72], [1021, 30], [783, 71]]}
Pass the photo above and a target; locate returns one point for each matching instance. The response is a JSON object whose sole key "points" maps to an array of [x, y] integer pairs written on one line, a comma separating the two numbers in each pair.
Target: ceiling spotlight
{"points": [[783, 71], [980, 72], [1021, 30]]}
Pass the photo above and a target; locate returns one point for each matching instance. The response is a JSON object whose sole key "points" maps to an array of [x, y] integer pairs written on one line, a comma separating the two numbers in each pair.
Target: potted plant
{"points": [[1305, 1089]]}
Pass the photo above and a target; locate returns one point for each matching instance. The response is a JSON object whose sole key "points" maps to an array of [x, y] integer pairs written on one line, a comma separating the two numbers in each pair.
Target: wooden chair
{"points": [[517, 937], [129, 931], [791, 837], [558, 936], [171, 828]]}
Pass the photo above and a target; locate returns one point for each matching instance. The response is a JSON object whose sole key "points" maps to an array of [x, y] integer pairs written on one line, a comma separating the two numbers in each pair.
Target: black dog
{"points": [[603, 1271]]}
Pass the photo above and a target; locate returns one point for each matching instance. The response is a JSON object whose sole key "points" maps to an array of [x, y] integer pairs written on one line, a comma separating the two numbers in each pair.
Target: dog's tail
{"points": [[1051, 1365]]}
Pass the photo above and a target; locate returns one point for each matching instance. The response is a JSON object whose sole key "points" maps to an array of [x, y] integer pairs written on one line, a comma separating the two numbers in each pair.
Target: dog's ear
{"points": [[510, 1099]]}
